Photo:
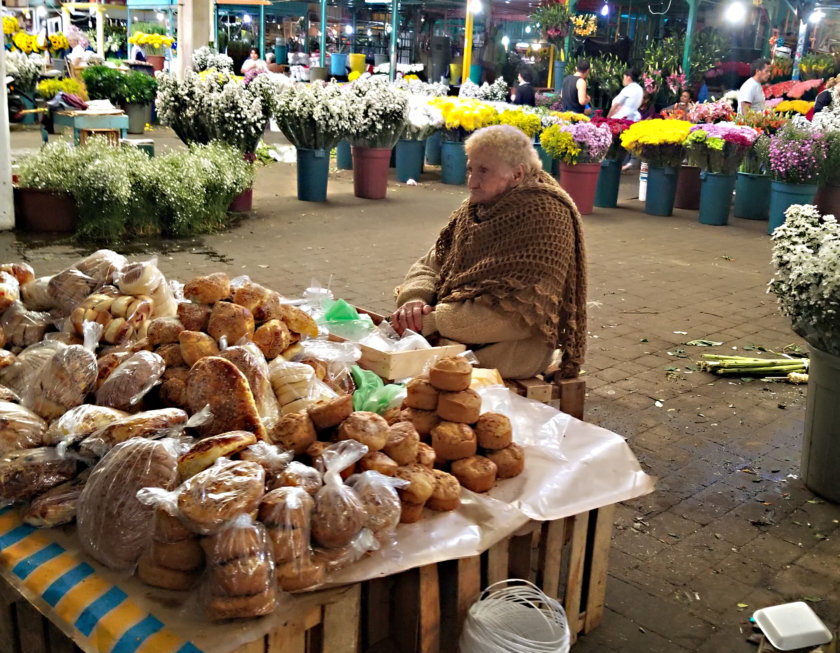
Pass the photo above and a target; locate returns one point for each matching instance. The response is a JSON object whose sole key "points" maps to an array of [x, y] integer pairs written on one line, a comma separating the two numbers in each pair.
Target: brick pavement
{"points": [[729, 523]]}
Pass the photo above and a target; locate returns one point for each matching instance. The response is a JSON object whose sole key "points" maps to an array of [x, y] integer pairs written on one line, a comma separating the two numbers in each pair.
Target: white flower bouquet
{"points": [[24, 69], [417, 87], [498, 91], [378, 112], [206, 58], [313, 116], [423, 119], [806, 255]]}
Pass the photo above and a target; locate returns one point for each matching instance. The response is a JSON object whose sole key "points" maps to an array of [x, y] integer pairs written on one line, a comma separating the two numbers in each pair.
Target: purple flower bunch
{"points": [[797, 154], [719, 148], [593, 140]]}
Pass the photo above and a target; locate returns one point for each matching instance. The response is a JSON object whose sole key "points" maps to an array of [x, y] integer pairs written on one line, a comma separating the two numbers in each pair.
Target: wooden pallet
{"points": [[567, 395]]}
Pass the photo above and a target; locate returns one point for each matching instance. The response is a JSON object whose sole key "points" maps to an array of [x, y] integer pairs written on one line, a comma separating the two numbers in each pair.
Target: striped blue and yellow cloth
{"points": [[99, 611]]}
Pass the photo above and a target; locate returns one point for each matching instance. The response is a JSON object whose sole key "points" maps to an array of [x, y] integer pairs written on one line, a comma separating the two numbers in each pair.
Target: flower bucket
{"points": [[243, 202], [715, 197], [313, 167], [343, 156], [784, 195], [357, 62], [318, 73], [687, 195], [455, 74], [475, 73], [138, 116], [609, 179], [157, 61], [549, 163], [821, 437], [27, 118], [433, 149], [338, 65], [580, 181], [828, 200], [410, 159], [453, 163], [370, 172], [45, 211], [752, 196], [661, 189]]}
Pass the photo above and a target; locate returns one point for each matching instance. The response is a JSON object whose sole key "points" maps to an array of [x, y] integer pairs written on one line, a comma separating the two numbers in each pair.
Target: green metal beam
{"points": [[567, 48], [689, 36], [323, 43], [395, 15]]}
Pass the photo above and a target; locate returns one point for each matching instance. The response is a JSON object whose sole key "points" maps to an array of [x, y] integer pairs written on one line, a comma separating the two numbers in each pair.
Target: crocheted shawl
{"points": [[524, 254]]}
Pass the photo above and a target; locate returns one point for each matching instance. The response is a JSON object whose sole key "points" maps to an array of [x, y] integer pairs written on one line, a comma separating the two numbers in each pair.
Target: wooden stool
{"points": [[567, 395], [111, 135]]}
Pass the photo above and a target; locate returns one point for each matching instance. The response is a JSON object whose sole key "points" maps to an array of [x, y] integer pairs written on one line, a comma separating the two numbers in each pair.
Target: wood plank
{"points": [[59, 642], [536, 389], [7, 617], [258, 646], [497, 562], [406, 614], [552, 560], [30, 627], [469, 587], [572, 396], [429, 600], [286, 639], [574, 582], [598, 567], [377, 604], [341, 622]]}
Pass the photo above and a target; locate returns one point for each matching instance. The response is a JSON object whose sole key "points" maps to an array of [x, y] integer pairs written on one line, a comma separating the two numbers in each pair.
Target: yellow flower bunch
{"points": [[585, 24], [58, 42], [560, 144], [25, 42], [791, 106], [10, 25], [467, 114], [659, 141], [155, 42], [569, 116], [529, 123]]}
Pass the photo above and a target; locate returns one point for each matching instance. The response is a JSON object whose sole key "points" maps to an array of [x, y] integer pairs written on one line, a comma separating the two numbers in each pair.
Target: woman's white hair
{"points": [[510, 144]]}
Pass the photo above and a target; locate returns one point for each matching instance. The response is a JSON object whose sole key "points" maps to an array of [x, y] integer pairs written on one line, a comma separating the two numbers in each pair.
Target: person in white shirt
{"points": [[77, 52], [751, 95], [626, 104]]}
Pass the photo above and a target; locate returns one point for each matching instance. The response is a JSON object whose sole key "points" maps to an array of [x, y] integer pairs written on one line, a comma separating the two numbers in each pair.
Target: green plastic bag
{"points": [[342, 319], [371, 393]]}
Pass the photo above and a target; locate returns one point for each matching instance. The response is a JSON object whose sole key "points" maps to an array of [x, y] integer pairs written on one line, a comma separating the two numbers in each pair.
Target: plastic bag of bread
{"points": [[146, 279], [69, 288], [22, 272], [25, 473], [270, 457], [57, 505], [126, 386], [298, 475], [20, 428], [147, 424], [378, 494], [251, 362], [35, 294], [338, 359], [240, 571], [79, 422], [21, 374], [104, 265], [296, 386], [63, 383], [286, 513], [9, 290], [335, 559], [23, 327], [339, 513]]}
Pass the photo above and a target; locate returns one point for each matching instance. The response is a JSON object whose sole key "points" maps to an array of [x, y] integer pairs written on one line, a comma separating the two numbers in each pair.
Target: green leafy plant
{"points": [[139, 88], [554, 20], [104, 83]]}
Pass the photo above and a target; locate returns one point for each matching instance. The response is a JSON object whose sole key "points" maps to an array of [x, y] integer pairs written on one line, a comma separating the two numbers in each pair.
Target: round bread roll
{"points": [[327, 413], [231, 321], [381, 502], [272, 338], [220, 608], [410, 512], [509, 461], [207, 290], [423, 420], [242, 577], [339, 516], [493, 431], [463, 407], [402, 443], [185, 555], [234, 543], [287, 508], [368, 428], [316, 450], [476, 473], [378, 462], [452, 441], [299, 574], [288, 543], [164, 331], [421, 394], [425, 455], [299, 475], [392, 415], [194, 317], [219, 493], [421, 483], [452, 374], [169, 529], [294, 431], [447, 494], [168, 579]]}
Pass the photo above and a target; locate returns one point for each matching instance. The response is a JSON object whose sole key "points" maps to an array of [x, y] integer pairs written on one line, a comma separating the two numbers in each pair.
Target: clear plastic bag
{"points": [[69, 288], [36, 296], [126, 386], [271, 457], [57, 505], [296, 474], [20, 428], [22, 272], [104, 266], [147, 424], [287, 513], [23, 327], [337, 559], [63, 383], [251, 362], [145, 278], [114, 527], [79, 422], [27, 472], [338, 357], [296, 386], [21, 374], [378, 494], [9, 290], [339, 513]]}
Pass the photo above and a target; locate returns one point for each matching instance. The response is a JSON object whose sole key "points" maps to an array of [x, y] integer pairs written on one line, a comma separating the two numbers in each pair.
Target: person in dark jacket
{"points": [[824, 97], [574, 95], [525, 90]]}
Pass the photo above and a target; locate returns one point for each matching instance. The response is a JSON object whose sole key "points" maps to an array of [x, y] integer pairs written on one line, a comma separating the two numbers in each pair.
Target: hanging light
{"points": [[506, 41], [527, 29], [605, 10], [735, 12], [816, 16], [348, 29], [246, 18], [475, 6], [42, 11], [159, 15]]}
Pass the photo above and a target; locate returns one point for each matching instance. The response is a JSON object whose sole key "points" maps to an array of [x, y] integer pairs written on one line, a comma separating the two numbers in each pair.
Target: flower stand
{"points": [[661, 190], [752, 196], [688, 188], [313, 167], [782, 196], [453, 163], [715, 197], [609, 180], [580, 181], [410, 159], [828, 200], [343, 156], [370, 172], [821, 438], [433, 145]]}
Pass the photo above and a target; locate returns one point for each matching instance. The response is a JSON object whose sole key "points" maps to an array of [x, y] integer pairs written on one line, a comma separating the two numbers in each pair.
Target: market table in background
{"points": [[92, 122]]}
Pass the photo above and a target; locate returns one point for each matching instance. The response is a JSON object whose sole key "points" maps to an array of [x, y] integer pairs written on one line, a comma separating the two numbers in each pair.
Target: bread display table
{"points": [[93, 122], [552, 525]]}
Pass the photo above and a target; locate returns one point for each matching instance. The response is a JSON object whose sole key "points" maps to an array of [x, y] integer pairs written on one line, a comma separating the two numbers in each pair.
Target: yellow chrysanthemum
{"points": [[10, 25], [793, 106]]}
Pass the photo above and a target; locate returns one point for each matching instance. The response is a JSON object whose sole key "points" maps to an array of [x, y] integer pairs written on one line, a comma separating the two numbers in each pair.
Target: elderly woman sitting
{"points": [[507, 275]]}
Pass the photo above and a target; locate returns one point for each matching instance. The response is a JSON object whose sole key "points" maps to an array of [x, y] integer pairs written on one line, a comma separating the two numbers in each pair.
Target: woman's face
{"points": [[255, 54], [685, 98], [488, 176]]}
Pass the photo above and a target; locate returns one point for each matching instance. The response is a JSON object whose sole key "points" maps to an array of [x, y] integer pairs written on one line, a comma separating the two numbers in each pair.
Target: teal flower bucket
{"points": [[609, 179], [549, 163], [313, 167], [752, 196], [661, 190], [784, 195], [433, 144], [343, 156], [715, 197], [410, 159], [453, 163]]}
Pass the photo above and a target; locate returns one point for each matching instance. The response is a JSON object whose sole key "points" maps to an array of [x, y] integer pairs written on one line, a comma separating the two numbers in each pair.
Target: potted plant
{"points": [[44, 199], [422, 121], [555, 21], [104, 83], [378, 114], [138, 94], [718, 151], [606, 194], [796, 157], [206, 58], [314, 117], [828, 121], [154, 46], [752, 187], [580, 147], [460, 119], [807, 285], [660, 144]]}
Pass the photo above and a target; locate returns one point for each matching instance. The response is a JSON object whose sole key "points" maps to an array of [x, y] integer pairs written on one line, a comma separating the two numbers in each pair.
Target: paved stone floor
{"points": [[730, 527]]}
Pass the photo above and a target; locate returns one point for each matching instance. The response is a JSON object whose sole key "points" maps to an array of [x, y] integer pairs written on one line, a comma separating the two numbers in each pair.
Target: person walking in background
{"points": [[751, 95], [626, 104], [524, 90], [573, 93]]}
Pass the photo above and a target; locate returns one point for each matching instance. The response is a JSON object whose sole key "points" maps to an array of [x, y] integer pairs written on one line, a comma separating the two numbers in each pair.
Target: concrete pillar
{"points": [[322, 43], [7, 208], [194, 30], [800, 47], [100, 31]]}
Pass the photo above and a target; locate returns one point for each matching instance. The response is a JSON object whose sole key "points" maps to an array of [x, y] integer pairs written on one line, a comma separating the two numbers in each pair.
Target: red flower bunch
{"points": [[778, 89], [616, 125], [768, 122], [800, 88]]}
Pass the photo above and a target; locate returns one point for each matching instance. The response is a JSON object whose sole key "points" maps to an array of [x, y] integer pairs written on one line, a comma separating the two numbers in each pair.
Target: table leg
{"points": [[77, 136]]}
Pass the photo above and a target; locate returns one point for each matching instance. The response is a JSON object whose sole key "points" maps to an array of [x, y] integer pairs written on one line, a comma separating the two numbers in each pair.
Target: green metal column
{"points": [[568, 46], [395, 19], [323, 43], [689, 37], [262, 32]]}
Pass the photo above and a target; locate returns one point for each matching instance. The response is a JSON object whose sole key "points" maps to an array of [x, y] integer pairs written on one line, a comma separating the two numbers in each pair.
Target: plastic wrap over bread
{"points": [[146, 279], [9, 290], [23, 327], [20, 375], [79, 422], [339, 513], [20, 428], [126, 386], [296, 386], [63, 383], [147, 424], [24, 473], [57, 505], [251, 362], [113, 526], [378, 494]]}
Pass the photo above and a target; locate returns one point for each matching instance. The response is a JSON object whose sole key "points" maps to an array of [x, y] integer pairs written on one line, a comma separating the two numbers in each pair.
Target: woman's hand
{"points": [[410, 316]]}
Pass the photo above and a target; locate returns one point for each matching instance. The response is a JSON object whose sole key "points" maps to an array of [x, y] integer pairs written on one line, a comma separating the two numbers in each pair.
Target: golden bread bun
{"points": [[425, 455], [293, 431], [326, 413], [402, 443], [464, 406], [420, 393], [424, 420], [169, 579], [476, 473], [220, 608], [421, 483], [410, 513], [447, 494], [216, 495], [452, 440], [205, 452], [510, 461], [378, 462], [493, 431], [207, 290], [452, 374], [368, 428], [299, 574]]}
